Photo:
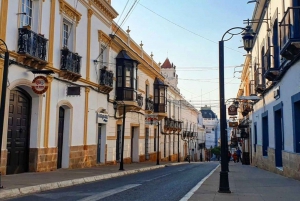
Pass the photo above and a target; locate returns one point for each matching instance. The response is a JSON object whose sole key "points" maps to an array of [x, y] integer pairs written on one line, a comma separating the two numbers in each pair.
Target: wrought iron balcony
{"points": [[33, 46], [259, 82], [290, 33], [270, 64], [149, 105], [106, 80], [139, 100], [70, 65]]}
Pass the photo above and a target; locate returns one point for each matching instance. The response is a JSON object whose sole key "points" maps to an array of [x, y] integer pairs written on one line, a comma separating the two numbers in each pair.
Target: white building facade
{"points": [[90, 73], [274, 67]]}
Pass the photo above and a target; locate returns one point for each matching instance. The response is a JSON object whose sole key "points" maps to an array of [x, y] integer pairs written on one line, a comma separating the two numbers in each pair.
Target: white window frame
{"points": [[26, 13], [71, 34]]}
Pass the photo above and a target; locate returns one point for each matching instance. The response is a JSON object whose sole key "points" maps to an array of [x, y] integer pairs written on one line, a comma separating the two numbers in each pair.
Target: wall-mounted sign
{"points": [[232, 110], [151, 119], [276, 93], [39, 84], [102, 118]]}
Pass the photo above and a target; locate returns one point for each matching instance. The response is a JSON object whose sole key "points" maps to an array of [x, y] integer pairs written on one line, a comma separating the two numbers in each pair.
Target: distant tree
{"points": [[216, 151]]}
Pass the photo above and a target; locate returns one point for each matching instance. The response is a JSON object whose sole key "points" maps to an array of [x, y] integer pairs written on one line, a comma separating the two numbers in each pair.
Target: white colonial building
{"points": [[74, 76]]}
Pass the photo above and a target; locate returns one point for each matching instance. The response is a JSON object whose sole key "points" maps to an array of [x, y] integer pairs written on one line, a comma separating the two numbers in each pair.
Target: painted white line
{"points": [[104, 194], [192, 191], [158, 177]]}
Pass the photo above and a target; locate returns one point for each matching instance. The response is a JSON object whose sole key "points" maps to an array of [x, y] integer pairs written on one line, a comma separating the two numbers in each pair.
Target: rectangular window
{"points": [[102, 56], [128, 78], [67, 35], [26, 13], [147, 91]]}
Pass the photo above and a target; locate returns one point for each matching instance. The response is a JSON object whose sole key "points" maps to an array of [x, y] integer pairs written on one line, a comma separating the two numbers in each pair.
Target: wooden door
{"points": [[18, 132]]}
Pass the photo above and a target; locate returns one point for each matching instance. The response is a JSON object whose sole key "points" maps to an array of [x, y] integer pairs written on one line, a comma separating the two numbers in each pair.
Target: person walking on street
{"points": [[238, 153], [229, 156], [234, 155]]}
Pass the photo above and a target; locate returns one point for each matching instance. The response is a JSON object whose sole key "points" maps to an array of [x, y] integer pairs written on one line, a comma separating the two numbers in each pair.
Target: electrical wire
{"points": [[186, 28]]}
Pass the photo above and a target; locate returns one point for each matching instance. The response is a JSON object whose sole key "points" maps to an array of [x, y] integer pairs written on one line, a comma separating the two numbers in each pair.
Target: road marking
{"points": [[104, 194], [192, 191], [158, 177]]}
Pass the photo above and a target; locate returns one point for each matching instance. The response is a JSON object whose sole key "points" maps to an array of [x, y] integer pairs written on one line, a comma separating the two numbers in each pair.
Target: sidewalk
{"points": [[25, 183], [248, 183]]}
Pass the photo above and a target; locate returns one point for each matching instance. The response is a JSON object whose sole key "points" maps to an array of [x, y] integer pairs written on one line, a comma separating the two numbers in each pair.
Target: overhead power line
{"points": [[186, 28]]}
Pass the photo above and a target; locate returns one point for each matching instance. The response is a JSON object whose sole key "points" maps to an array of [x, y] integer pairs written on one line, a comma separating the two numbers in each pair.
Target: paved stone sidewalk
{"points": [[248, 183], [25, 183]]}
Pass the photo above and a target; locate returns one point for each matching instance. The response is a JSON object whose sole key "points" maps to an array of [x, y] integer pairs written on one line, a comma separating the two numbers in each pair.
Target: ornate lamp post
{"points": [[248, 36]]}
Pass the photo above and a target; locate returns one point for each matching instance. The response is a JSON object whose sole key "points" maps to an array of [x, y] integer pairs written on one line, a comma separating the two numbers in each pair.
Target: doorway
{"points": [[18, 132], [278, 137], [265, 133], [60, 136], [99, 144], [147, 155]]}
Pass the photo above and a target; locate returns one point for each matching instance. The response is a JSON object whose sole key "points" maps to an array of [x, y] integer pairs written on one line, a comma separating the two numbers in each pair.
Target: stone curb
{"points": [[55, 185]]}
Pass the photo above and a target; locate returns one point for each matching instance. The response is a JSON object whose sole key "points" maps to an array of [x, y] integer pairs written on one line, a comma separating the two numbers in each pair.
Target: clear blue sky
{"points": [[187, 32]]}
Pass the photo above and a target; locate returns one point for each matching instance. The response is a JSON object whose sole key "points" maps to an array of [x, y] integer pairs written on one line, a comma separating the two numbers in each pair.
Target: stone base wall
{"points": [[42, 159], [153, 156], [3, 162], [83, 156], [166, 159], [290, 162], [174, 157], [291, 165], [127, 160], [142, 158]]}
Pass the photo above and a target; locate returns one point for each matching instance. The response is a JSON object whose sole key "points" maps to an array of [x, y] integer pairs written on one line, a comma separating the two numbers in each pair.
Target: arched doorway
{"points": [[18, 131]]}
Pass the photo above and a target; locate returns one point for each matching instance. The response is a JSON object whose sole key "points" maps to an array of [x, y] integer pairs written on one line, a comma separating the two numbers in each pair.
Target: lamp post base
{"points": [[224, 183]]}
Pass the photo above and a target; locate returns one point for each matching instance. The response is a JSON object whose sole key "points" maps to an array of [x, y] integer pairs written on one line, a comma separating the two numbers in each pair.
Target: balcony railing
{"points": [[106, 80], [32, 45], [252, 88], [270, 64], [259, 81], [139, 100], [290, 33], [106, 77], [70, 64], [149, 104]]}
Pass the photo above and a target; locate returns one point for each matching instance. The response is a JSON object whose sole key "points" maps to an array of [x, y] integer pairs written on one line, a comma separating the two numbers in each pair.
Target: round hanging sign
{"points": [[39, 84]]}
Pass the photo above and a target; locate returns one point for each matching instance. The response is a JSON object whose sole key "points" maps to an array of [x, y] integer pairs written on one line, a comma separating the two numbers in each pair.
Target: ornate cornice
{"points": [[103, 37], [105, 8], [68, 10]]}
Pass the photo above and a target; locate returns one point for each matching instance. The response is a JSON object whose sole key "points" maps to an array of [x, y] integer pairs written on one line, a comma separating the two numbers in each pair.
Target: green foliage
{"points": [[216, 151]]}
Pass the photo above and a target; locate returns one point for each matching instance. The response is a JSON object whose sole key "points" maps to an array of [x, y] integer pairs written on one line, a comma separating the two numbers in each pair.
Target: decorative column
{"points": [[47, 112], [86, 113], [3, 18], [51, 33], [88, 46]]}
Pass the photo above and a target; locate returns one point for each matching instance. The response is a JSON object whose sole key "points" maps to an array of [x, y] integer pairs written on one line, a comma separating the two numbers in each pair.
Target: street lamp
{"points": [[248, 36]]}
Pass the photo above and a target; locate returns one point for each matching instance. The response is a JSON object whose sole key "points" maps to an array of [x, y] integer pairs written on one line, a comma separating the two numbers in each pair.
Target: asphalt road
{"points": [[163, 184]]}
